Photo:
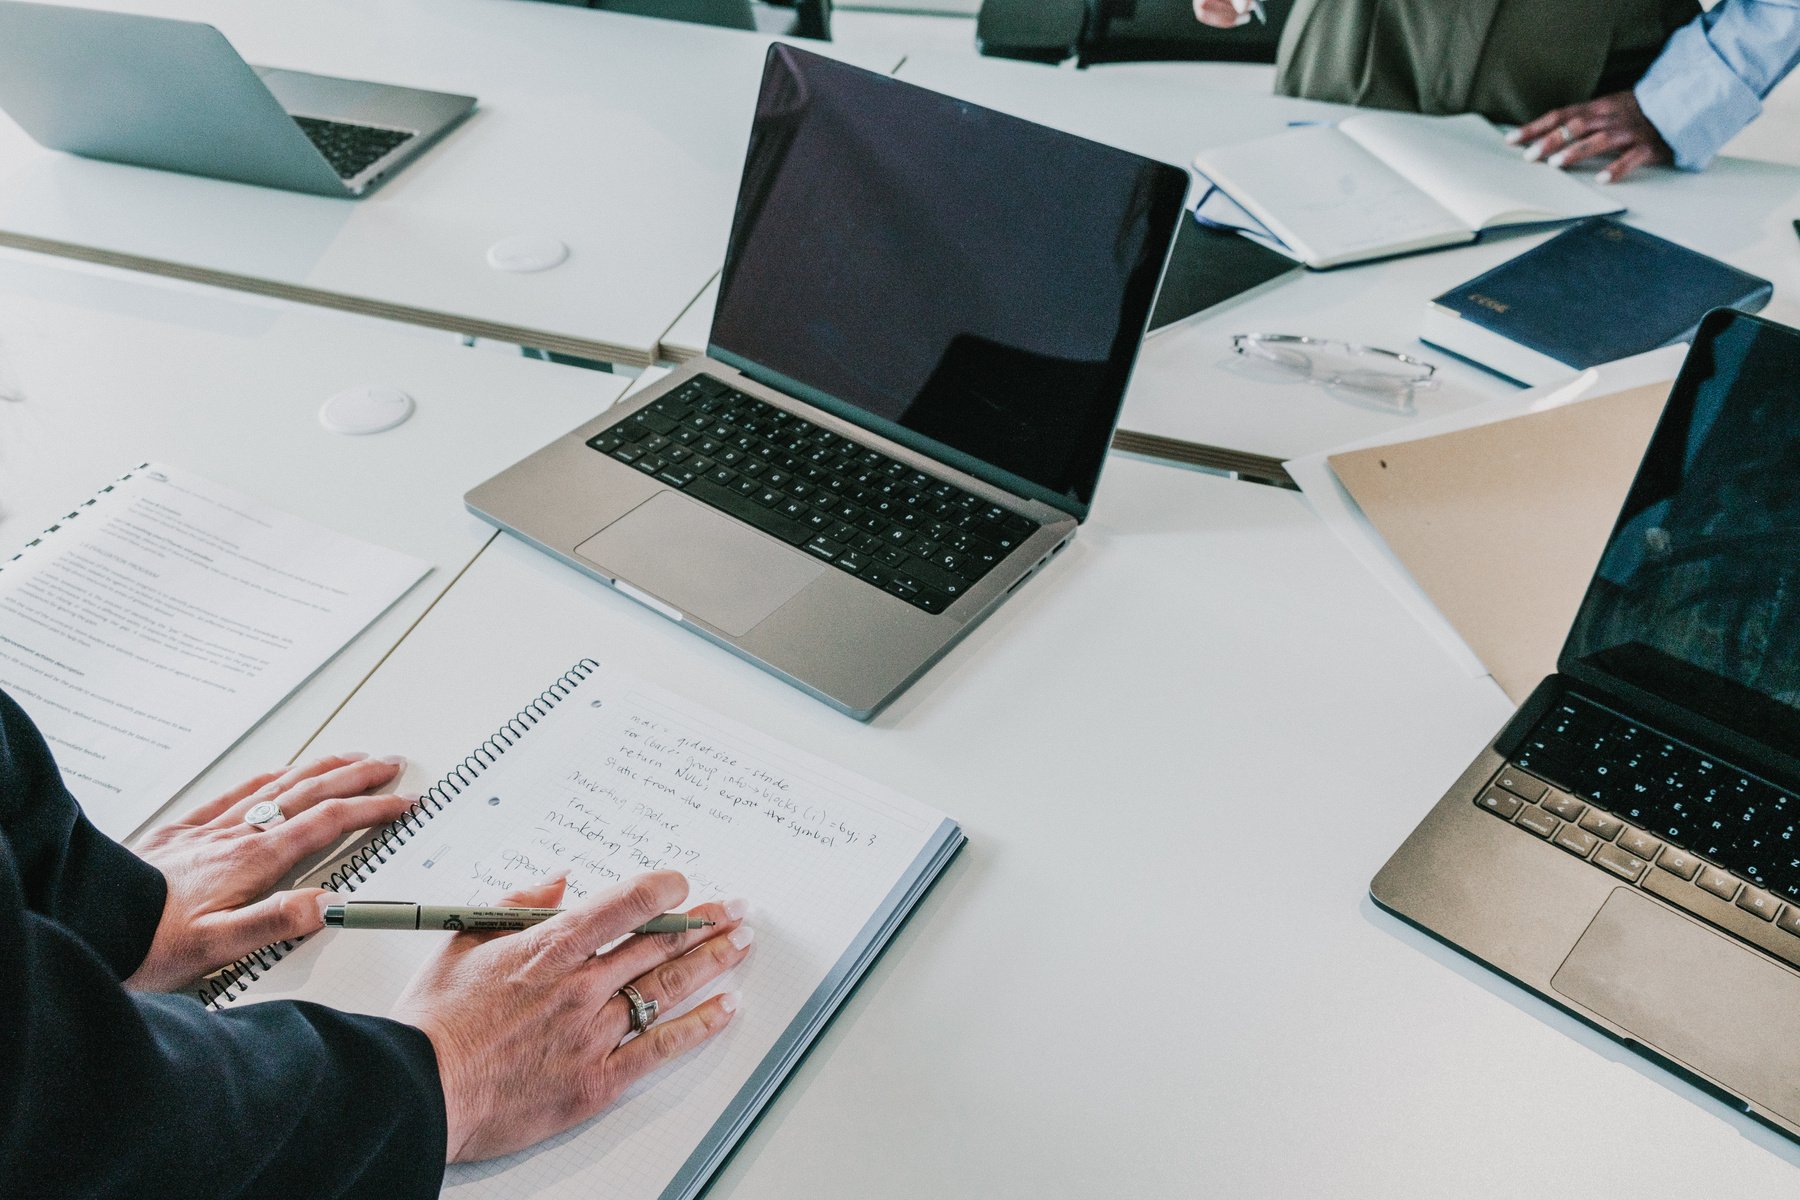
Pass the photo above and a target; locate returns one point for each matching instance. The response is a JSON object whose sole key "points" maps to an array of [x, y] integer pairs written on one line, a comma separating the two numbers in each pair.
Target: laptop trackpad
{"points": [[702, 562], [1693, 994]]}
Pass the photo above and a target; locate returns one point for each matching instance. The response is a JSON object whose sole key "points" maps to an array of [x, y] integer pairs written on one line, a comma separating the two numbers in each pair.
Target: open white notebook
{"points": [[1379, 184], [610, 776]]}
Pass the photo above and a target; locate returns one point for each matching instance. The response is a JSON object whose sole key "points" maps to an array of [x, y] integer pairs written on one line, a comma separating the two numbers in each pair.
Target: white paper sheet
{"points": [[152, 627]]}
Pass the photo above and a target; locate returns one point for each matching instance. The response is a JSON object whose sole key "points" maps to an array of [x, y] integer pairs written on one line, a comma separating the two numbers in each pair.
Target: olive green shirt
{"points": [[1510, 60]]}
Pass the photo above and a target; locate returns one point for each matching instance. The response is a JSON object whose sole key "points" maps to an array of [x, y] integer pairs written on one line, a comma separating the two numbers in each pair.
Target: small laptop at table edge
{"points": [[838, 159], [174, 95], [1647, 912]]}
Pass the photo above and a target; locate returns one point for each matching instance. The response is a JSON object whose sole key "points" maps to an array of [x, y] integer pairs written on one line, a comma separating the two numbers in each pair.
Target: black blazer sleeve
{"points": [[66, 869], [105, 1092]]}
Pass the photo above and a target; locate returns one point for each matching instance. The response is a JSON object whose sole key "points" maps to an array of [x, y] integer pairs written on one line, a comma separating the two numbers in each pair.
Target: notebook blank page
{"points": [[620, 778], [1328, 198], [1465, 164]]}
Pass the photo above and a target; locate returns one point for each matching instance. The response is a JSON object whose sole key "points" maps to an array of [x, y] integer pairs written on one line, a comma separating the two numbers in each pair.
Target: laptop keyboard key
{"points": [[1639, 843], [1758, 902], [1520, 784], [1501, 802], [1789, 919], [1563, 805], [1538, 820], [1576, 840], [1679, 863], [1625, 865], [653, 421], [1718, 883], [1602, 826]]}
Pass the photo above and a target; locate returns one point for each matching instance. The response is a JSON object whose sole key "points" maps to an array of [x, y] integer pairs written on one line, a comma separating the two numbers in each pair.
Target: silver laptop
{"points": [[926, 321], [1629, 845], [174, 94]]}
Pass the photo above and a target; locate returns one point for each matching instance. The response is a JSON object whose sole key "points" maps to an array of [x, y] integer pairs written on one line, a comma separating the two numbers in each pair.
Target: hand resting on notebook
{"points": [[1609, 125], [529, 1027], [219, 869]]}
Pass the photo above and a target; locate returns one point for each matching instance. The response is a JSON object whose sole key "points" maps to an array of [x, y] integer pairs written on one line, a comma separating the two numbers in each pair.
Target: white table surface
{"points": [[620, 136], [1180, 755], [112, 369], [1187, 383]]}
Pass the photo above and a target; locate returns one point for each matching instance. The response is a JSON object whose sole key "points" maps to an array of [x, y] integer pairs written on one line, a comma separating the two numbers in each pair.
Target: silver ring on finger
{"points": [[1567, 137], [266, 815], [643, 1012]]}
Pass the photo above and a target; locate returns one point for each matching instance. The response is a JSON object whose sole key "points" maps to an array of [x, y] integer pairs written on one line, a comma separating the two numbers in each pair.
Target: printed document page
{"points": [[156, 624]]}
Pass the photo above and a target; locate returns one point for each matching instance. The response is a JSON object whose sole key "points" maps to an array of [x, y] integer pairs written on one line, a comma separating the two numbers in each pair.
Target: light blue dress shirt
{"points": [[1710, 80]]}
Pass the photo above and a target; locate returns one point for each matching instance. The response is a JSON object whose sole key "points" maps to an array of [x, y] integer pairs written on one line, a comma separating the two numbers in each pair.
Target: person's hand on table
{"points": [[1223, 14], [530, 1027], [1609, 125], [219, 868]]}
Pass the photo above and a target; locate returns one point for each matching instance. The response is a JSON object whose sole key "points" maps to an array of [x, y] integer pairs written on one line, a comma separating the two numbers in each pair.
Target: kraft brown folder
{"points": [[1502, 525]]}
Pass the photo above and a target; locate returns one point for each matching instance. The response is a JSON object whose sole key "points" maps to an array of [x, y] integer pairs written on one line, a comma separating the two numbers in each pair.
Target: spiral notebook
{"points": [[609, 775]]}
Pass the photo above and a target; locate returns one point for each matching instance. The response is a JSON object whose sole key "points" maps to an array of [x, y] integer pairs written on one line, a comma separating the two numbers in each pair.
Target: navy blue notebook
{"points": [[1598, 291]]}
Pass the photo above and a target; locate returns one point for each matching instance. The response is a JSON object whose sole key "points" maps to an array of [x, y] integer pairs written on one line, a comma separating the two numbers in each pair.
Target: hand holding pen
{"points": [[534, 1031]]}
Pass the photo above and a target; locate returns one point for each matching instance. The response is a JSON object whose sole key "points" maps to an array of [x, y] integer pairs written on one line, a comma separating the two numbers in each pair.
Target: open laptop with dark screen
{"points": [[1629, 845], [928, 315]]}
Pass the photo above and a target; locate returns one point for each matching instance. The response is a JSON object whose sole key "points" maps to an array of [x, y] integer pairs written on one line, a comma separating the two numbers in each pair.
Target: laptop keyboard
{"points": [[1655, 812], [350, 149], [871, 516]]}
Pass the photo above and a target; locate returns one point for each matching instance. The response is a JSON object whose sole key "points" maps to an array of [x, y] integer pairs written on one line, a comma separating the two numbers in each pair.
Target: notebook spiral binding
{"points": [[228, 984]]}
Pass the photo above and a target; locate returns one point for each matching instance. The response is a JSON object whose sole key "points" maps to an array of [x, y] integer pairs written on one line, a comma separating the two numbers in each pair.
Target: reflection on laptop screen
{"points": [[1697, 598], [943, 271]]}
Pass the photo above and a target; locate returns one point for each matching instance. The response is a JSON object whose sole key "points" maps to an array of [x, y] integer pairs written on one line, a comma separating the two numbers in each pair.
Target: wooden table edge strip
{"points": [[513, 334]]}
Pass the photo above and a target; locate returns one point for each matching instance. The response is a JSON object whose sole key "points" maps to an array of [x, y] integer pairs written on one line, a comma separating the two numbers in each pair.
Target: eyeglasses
{"points": [[1384, 376]]}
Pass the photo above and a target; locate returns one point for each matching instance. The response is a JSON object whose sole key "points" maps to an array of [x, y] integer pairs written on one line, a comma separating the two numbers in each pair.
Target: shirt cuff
{"points": [[1695, 100]]}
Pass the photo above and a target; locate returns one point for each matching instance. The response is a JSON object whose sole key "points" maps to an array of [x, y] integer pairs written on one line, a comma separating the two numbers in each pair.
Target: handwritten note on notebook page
{"points": [[152, 627], [622, 777]]}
